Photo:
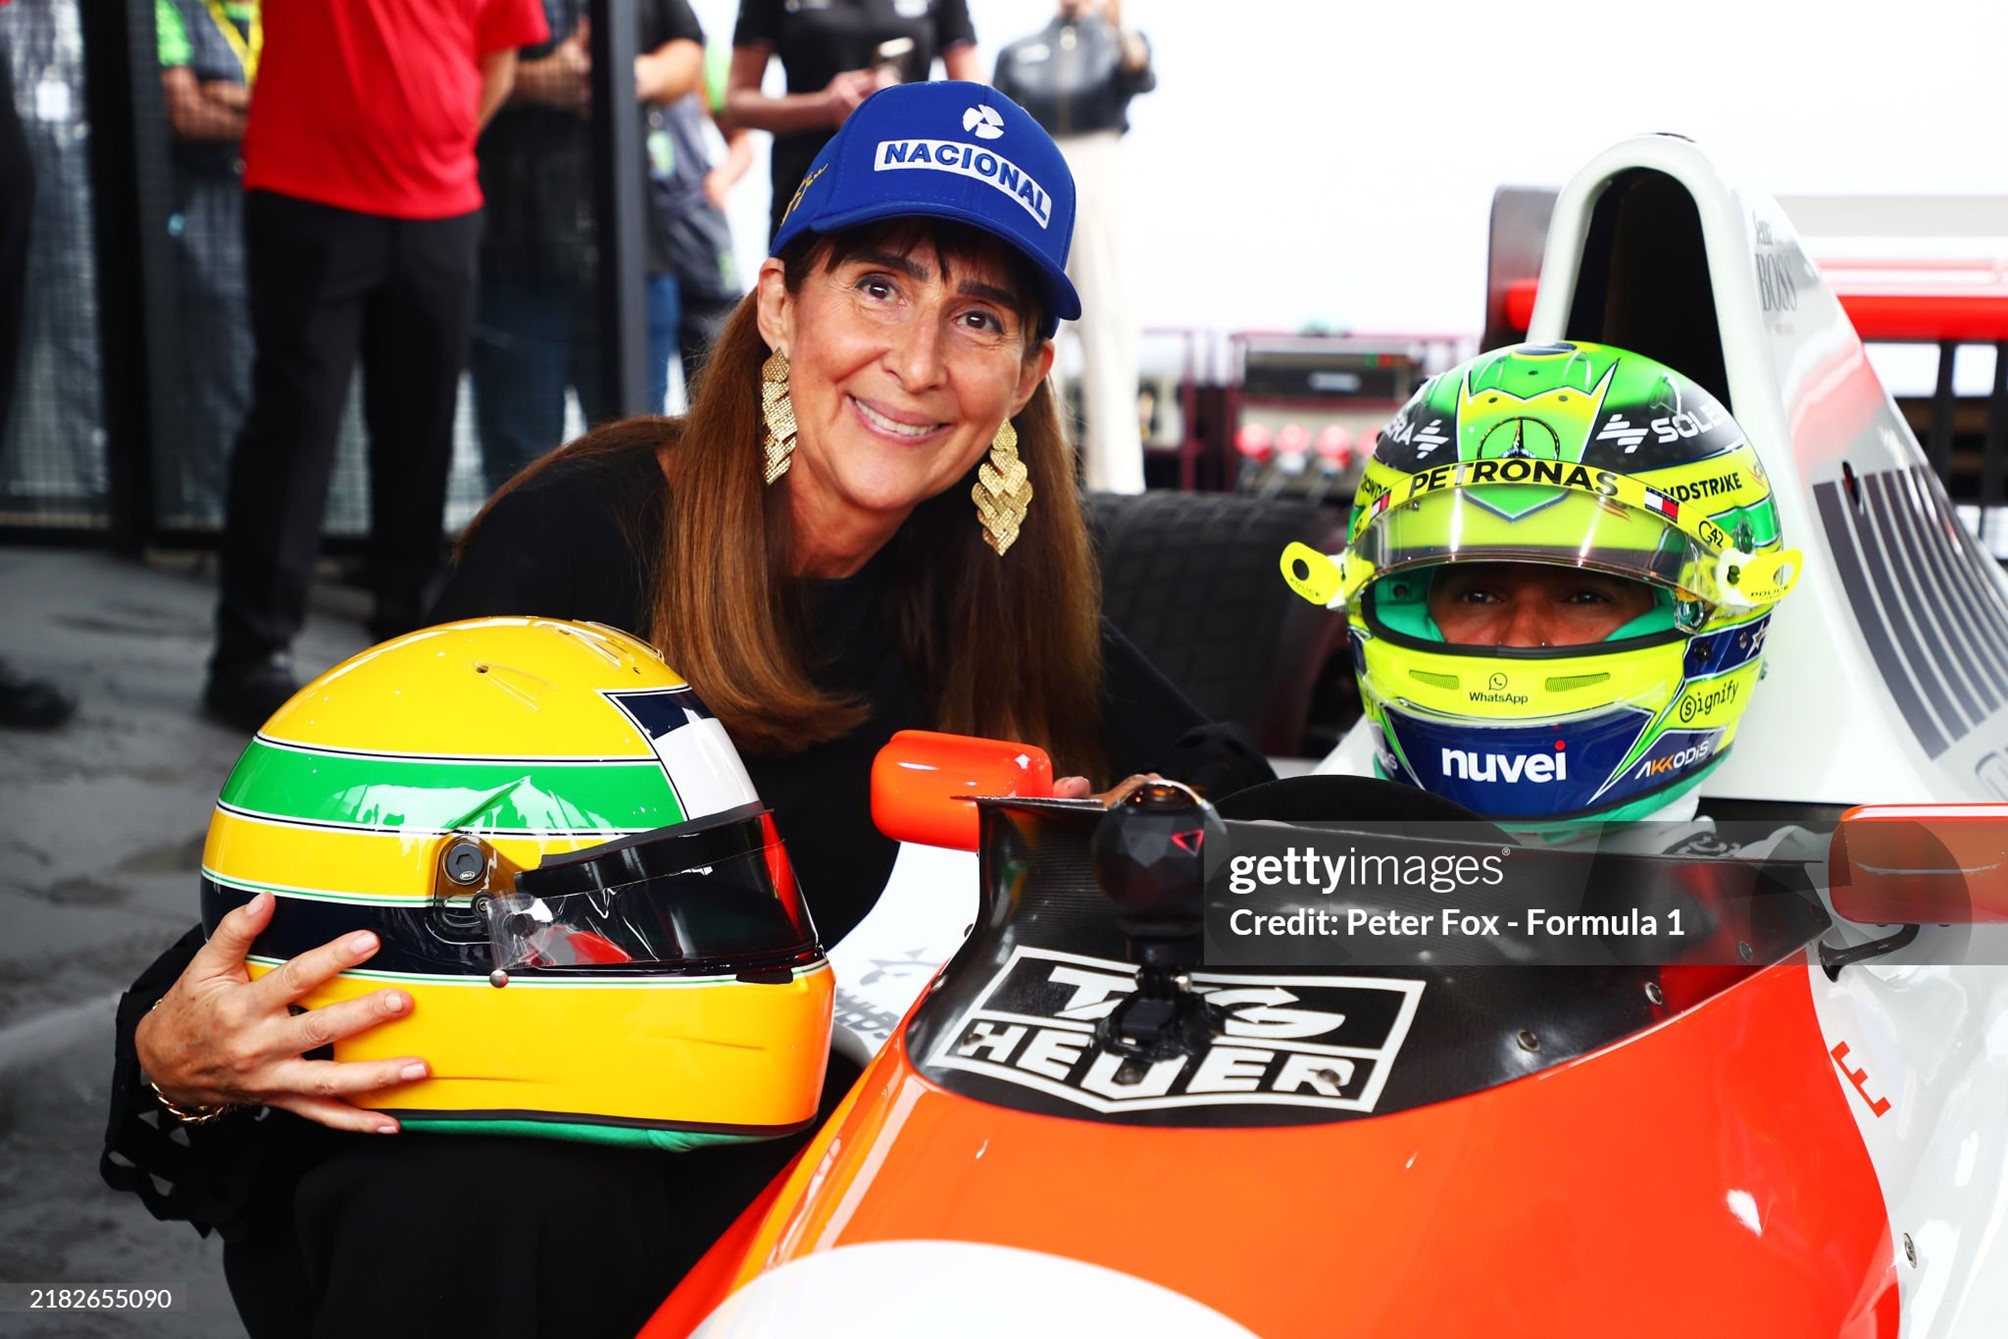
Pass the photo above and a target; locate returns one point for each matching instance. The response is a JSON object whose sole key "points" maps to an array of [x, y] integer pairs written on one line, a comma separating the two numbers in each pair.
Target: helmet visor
{"points": [[1509, 523], [688, 898]]}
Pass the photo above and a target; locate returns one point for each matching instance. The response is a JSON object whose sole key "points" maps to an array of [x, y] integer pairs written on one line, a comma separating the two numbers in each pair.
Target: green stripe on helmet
{"points": [[388, 793]]}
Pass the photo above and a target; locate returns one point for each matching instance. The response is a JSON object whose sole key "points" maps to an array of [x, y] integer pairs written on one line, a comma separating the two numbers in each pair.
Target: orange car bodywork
{"points": [[1701, 1177]]}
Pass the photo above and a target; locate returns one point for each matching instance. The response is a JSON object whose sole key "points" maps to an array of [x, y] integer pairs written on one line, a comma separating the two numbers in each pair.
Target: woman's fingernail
{"points": [[388, 1127], [256, 906], [395, 1002], [362, 943], [412, 1072]]}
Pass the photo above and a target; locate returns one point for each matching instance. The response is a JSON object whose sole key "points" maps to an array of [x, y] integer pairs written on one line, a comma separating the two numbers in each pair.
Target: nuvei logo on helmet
{"points": [[1539, 768]]}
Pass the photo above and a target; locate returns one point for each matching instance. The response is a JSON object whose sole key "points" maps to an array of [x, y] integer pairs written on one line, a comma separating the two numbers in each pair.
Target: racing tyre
{"points": [[1192, 579]]}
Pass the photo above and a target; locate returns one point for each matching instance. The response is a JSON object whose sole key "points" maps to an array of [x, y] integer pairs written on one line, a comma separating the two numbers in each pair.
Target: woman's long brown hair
{"points": [[1005, 647]]}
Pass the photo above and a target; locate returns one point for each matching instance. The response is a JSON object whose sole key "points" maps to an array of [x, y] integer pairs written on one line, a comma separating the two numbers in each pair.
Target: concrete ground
{"points": [[101, 829]]}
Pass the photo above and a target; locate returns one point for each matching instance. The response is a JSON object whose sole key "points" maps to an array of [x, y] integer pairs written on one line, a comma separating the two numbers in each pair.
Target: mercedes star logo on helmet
{"points": [[984, 121], [1520, 438]]}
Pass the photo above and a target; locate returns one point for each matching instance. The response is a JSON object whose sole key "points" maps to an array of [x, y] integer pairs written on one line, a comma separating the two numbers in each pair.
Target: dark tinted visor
{"points": [[703, 898]]}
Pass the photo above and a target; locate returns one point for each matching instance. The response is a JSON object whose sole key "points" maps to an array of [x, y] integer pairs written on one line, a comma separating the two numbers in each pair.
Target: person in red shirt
{"points": [[362, 219]]}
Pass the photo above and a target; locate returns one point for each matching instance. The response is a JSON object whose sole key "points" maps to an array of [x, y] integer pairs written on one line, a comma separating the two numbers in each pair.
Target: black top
{"points": [[1070, 77], [817, 40], [537, 172], [566, 545]]}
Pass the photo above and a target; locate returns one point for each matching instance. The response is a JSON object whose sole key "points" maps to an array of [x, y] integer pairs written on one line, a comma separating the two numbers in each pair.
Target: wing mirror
{"points": [[922, 781], [1921, 864]]}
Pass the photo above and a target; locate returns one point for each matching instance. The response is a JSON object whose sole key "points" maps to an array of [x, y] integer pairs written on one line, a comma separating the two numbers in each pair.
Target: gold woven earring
{"points": [[1003, 491], [779, 410]]}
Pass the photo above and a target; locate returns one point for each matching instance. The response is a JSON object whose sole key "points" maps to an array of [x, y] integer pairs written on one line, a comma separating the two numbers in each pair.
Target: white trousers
{"points": [[1112, 451]]}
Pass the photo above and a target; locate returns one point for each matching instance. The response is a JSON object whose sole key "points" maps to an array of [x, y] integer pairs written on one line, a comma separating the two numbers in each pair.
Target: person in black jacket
{"points": [[867, 522], [1077, 76]]}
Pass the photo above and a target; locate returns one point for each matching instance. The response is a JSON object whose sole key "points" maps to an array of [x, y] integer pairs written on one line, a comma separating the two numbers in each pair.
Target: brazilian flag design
{"points": [[395, 789]]}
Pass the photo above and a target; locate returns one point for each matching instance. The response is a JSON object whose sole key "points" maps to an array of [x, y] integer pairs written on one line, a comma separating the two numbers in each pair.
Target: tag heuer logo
{"points": [[1317, 1040], [984, 122]]}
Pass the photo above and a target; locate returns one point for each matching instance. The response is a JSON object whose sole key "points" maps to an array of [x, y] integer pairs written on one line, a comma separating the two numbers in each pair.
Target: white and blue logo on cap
{"points": [[952, 156], [983, 122], [952, 150]]}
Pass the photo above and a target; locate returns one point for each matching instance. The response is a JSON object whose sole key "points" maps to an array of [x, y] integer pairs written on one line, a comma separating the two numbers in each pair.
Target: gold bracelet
{"points": [[201, 1115]]}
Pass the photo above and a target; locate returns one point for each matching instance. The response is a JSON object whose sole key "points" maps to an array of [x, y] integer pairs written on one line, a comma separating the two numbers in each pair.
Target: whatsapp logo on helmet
{"points": [[1572, 456]]}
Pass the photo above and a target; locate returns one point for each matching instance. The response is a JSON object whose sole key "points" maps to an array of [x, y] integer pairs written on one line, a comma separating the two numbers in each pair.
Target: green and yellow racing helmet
{"points": [[1580, 456], [568, 871]]}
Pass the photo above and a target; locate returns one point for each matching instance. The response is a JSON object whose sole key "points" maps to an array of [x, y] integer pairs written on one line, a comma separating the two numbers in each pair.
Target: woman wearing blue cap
{"points": [[867, 523]]}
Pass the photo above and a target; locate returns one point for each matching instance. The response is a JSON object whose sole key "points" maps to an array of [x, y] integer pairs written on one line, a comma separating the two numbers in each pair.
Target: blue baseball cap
{"points": [[950, 150]]}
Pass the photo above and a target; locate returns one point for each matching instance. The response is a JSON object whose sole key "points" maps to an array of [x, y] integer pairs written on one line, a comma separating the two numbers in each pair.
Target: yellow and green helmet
{"points": [[1581, 456], [568, 871]]}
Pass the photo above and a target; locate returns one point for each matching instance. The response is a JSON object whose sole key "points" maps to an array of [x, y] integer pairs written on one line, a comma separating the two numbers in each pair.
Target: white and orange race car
{"points": [[1808, 1140]]}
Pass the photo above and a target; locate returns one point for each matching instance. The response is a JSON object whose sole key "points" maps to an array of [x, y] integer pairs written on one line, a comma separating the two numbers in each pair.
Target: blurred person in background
{"points": [[208, 60], [24, 703], [1076, 76], [362, 222], [537, 332], [17, 216], [707, 271], [835, 53]]}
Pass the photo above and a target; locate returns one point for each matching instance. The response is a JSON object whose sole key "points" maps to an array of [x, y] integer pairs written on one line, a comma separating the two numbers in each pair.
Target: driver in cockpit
{"points": [[1560, 569]]}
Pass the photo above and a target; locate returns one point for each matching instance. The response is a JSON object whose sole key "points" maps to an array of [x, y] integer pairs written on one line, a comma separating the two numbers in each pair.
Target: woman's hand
{"points": [[219, 1037], [1080, 788]]}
